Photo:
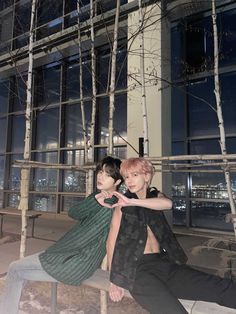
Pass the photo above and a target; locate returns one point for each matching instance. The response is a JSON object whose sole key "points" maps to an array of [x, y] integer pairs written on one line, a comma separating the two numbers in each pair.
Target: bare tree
{"points": [[219, 112], [85, 136], [113, 79], [94, 101], [25, 172], [143, 87]]}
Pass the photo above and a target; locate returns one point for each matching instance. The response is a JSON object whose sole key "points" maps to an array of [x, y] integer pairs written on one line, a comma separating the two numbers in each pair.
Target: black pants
{"points": [[159, 283]]}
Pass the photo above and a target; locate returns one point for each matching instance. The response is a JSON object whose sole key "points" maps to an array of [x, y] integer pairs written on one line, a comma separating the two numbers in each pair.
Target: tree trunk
{"points": [[25, 172], [219, 112], [143, 87], [88, 188], [94, 94], [113, 79]]}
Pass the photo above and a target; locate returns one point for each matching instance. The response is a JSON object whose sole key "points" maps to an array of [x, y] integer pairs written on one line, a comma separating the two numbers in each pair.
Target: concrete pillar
{"points": [[158, 91]]}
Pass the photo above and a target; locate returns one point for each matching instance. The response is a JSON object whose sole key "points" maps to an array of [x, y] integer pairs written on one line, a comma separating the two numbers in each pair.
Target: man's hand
{"points": [[122, 200], [116, 293], [100, 197]]}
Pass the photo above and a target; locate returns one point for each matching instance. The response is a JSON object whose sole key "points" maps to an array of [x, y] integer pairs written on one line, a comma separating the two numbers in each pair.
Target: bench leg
{"points": [[1, 232], [32, 229], [53, 297]]}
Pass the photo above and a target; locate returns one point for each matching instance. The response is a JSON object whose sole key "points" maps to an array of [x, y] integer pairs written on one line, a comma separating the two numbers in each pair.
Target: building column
{"points": [[158, 91]]}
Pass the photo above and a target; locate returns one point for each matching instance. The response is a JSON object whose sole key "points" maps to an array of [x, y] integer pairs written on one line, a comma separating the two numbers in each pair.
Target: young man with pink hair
{"points": [[144, 255]]}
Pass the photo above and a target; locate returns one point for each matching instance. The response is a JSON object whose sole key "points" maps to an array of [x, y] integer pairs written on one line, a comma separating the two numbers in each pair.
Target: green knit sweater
{"points": [[76, 255]]}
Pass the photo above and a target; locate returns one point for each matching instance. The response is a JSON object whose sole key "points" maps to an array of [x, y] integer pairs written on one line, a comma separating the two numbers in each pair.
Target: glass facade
{"points": [[57, 131], [200, 198]]}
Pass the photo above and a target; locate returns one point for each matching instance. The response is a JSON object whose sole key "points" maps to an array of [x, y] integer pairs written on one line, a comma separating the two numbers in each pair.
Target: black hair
{"points": [[112, 167]]}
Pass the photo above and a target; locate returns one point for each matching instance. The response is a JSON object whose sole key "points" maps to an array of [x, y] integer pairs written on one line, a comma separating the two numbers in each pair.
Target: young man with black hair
{"points": [[76, 255]]}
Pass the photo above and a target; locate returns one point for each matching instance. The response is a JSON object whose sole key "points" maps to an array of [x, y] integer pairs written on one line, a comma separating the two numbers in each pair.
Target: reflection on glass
{"points": [[45, 179], [120, 152], [51, 13], [1, 200], [74, 181], [73, 124], [6, 32], [47, 87], [68, 202], [210, 186], [179, 212], [47, 129], [120, 120], [13, 200], [3, 130], [15, 174], [21, 24], [18, 133], [210, 215], [2, 170], [178, 185], [4, 91], [19, 96], [41, 202]]}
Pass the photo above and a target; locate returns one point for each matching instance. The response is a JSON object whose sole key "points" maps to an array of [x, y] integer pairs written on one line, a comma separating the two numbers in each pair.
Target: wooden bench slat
{"points": [[100, 281], [15, 212]]}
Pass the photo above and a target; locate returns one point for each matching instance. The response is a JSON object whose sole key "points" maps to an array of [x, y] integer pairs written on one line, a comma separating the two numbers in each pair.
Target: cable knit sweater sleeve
{"points": [[84, 208]]}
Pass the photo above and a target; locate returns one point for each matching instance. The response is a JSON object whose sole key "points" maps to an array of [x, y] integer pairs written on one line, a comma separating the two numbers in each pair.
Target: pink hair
{"points": [[137, 164]]}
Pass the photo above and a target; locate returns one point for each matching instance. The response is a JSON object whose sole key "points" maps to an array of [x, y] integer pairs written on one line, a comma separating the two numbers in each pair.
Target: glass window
{"points": [[73, 79], [228, 96], [13, 200], [19, 95], [22, 23], [104, 68], [47, 90], [5, 3], [72, 85], [1, 200], [179, 212], [43, 202], [3, 131], [4, 96], [15, 173], [178, 113], [45, 179], [17, 133], [47, 129], [73, 124], [121, 70], [106, 5], [201, 103], [120, 120], [199, 47], [74, 181], [227, 34], [210, 215], [120, 152], [5, 32], [177, 53], [71, 11], [49, 13], [2, 171]]}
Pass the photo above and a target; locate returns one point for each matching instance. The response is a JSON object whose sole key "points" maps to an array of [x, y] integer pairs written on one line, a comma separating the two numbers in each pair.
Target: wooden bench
{"points": [[15, 212], [100, 280]]}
